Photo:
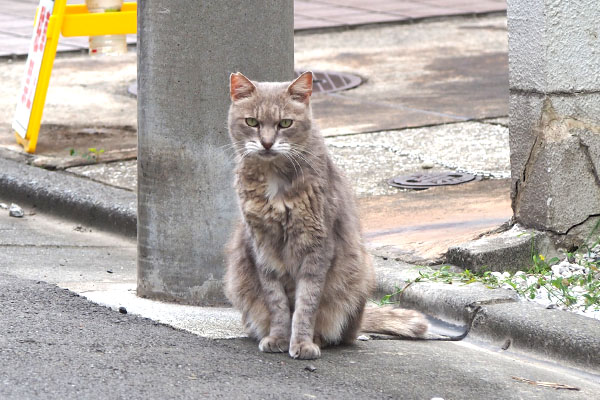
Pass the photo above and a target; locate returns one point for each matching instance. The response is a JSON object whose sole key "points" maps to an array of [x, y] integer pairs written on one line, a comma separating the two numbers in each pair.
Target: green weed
{"points": [[92, 154], [579, 290]]}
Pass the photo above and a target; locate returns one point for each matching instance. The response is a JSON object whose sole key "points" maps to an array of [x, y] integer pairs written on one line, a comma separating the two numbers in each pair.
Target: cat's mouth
{"points": [[267, 153]]}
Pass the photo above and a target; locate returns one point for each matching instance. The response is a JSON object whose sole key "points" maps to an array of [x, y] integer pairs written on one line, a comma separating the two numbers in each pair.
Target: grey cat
{"points": [[297, 268]]}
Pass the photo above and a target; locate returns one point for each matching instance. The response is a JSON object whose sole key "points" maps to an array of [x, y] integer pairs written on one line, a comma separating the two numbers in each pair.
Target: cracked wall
{"points": [[554, 61]]}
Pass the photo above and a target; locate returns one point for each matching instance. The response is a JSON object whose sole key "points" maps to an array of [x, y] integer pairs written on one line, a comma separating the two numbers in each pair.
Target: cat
{"points": [[297, 268]]}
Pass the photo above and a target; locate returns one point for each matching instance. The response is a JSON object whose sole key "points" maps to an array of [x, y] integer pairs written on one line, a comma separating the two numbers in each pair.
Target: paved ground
{"points": [[433, 72], [55, 344], [16, 17], [328, 13], [16, 26]]}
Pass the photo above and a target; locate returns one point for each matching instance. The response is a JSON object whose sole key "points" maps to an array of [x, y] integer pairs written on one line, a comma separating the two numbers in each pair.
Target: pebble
{"points": [[362, 338], [571, 266], [500, 275], [15, 211], [310, 368], [4, 206], [122, 310]]}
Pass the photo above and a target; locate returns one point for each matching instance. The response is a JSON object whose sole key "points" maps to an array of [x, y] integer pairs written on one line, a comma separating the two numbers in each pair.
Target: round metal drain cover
{"points": [[323, 82], [425, 181], [329, 81]]}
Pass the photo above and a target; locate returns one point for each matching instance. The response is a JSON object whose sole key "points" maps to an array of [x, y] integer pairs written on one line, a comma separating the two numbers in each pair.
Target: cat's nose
{"points": [[266, 144]]}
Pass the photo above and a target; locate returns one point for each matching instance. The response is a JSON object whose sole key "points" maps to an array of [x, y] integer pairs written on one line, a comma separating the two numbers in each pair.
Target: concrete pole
{"points": [[186, 204], [554, 58]]}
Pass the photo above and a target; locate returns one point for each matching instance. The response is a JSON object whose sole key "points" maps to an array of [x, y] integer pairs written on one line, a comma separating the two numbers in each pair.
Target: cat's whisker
{"points": [[230, 144], [231, 149], [289, 157], [242, 156], [305, 150], [300, 156], [231, 152], [303, 158], [226, 146], [291, 154], [253, 146], [302, 170], [302, 150]]}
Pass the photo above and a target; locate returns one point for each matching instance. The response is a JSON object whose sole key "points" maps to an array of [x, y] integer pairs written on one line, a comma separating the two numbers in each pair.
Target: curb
{"points": [[499, 318], [71, 197]]}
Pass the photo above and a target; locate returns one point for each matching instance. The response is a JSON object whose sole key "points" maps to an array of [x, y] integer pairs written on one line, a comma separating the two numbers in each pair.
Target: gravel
{"points": [[473, 147], [565, 270], [370, 160], [15, 211]]}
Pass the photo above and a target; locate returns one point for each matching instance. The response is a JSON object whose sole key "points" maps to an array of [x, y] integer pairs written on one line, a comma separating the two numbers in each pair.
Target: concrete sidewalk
{"points": [[16, 17], [55, 344]]}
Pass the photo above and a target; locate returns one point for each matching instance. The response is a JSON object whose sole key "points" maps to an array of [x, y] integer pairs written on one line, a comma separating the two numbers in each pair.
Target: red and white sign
{"points": [[32, 68]]}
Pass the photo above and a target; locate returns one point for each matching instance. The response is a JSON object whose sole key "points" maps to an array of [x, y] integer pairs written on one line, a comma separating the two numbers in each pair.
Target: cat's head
{"points": [[270, 120]]}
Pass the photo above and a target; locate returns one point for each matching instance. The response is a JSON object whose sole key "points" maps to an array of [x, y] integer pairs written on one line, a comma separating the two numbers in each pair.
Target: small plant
{"points": [[573, 284], [92, 154], [95, 152], [387, 299]]}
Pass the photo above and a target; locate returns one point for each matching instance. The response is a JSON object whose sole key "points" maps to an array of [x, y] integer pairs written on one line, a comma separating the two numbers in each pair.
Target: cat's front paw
{"points": [[305, 350], [272, 344]]}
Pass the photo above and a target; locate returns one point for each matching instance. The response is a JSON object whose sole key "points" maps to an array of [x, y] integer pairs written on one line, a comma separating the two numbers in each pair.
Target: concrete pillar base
{"points": [[186, 204]]}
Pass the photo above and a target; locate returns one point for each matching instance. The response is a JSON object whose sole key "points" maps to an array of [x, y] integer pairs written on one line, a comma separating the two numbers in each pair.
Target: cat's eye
{"points": [[252, 122], [285, 123]]}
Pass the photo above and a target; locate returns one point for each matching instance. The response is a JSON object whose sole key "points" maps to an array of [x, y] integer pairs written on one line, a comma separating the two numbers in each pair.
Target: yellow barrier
{"points": [[70, 20], [79, 22]]}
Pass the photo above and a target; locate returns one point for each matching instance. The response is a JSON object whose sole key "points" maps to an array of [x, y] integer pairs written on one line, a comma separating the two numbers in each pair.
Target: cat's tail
{"points": [[394, 321]]}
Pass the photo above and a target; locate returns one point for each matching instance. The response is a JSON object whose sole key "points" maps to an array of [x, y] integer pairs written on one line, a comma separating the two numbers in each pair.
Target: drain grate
{"points": [[330, 81], [425, 181]]}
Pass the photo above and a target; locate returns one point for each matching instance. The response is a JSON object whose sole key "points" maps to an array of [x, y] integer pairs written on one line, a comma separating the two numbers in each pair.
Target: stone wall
{"points": [[554, 61]]}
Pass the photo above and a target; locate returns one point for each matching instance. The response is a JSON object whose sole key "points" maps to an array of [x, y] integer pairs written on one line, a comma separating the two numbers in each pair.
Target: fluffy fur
{"points": [[297, 267]]}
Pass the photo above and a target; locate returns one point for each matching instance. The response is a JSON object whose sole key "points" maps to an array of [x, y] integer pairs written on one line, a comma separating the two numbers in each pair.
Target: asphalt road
{"points": [[56, 344]]}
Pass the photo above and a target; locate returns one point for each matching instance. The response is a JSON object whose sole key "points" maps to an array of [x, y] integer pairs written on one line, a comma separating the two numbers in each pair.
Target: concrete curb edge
{"points": [[71, 197], [499, 318]]}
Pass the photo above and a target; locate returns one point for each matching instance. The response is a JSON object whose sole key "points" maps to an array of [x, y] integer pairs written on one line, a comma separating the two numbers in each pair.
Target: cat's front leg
{"points": [[277, 302], [309, 286]]}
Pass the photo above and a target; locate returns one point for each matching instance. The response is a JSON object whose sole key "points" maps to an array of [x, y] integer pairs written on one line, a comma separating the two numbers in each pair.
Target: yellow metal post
{"points": [[71, 20], [79, 22], [39, 99]]}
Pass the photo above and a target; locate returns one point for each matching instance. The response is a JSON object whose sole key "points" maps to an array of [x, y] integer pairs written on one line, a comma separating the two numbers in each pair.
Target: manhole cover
{"points": [[329, 81], [424, 181], [323, 82]]}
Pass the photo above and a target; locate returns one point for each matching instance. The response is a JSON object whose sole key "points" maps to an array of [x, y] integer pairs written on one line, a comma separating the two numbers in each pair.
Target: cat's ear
{"points": [[240, 87], [301, 89]]}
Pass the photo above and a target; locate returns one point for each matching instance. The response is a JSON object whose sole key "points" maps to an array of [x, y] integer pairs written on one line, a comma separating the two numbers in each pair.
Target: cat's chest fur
{"points": [[283, 218]]}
